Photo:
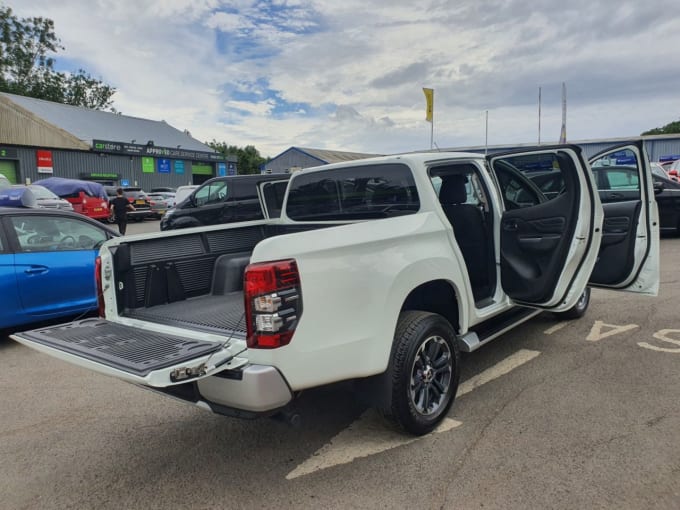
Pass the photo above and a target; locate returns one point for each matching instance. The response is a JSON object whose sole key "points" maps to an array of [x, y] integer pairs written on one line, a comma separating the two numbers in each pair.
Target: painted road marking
{"points": [[556, 327], [368, 435], [596, 333], [501, 368], [662, 335]]}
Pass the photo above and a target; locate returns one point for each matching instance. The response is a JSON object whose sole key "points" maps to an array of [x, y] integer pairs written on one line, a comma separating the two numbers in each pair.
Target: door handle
{"points": [[36, 270], [510, 225], [615, 195]]}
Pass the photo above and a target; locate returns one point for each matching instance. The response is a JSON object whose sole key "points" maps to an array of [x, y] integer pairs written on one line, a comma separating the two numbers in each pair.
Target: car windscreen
{"points": [[43, 193], [353, 193]]}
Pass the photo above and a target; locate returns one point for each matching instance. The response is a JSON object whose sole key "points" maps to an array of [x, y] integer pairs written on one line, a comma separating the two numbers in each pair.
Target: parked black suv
{"points": [[228, 200]]}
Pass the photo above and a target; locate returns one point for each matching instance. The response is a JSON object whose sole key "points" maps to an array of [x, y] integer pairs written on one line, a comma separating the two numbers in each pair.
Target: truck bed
{"points": [[193, 280], [211, 313]]}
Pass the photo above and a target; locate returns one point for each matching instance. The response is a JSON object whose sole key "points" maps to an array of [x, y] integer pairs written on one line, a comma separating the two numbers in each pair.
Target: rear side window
{"points": [[617, 176], [363, 192], [273, 197]]}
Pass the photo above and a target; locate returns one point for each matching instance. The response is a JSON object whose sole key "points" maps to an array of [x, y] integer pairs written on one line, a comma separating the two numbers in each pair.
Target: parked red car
{"points": [[86, 197]]}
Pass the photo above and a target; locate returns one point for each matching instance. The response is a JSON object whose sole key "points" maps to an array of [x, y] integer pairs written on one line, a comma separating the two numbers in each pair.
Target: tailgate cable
{"points": [[186, 373]]}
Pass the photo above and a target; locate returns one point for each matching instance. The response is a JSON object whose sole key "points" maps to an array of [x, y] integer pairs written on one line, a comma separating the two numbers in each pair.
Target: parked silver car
{"points": [[45, 198]]}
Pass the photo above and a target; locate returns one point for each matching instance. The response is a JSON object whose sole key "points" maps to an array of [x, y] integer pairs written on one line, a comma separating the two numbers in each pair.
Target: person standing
{"points": [[119, 206]]}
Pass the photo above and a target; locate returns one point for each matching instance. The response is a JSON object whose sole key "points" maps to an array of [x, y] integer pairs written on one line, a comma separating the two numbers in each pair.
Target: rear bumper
{"points": [[255, 388], [146, 213]]}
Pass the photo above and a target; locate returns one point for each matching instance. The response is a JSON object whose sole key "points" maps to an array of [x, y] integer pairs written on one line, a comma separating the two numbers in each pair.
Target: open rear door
{"points": [[548, 241], [629, 253]]}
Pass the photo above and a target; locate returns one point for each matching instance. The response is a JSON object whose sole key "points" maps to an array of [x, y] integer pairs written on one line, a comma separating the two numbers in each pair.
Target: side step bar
{"points": [[494, 327]]}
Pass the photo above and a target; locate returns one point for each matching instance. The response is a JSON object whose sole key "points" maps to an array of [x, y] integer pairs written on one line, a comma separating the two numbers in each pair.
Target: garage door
{"points": [[9, 170]]}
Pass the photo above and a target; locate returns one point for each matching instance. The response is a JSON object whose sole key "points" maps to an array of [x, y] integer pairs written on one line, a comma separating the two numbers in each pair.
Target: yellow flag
{"points": [[429, 96]]}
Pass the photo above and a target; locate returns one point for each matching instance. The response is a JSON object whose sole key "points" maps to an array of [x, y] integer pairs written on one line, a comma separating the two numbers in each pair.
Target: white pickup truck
{"points": [[379, 271]]}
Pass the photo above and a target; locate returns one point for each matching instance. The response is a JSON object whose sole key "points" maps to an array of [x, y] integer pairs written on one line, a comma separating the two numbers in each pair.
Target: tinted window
{"points": [[530, 179], [45, 233], [212, 193], [368, 192], [617, 176], [244, 190], [274, 193]]}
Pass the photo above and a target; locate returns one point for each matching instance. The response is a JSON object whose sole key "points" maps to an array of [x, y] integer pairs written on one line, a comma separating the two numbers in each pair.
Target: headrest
{"points": [[17, 197], [453, 190]]}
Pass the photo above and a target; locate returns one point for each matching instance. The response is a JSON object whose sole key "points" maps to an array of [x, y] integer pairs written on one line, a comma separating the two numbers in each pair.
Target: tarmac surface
{"points": [[578, 414]]}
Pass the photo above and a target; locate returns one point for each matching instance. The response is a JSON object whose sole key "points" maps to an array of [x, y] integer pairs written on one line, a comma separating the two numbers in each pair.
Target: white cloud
{"points": [[353, 71]]}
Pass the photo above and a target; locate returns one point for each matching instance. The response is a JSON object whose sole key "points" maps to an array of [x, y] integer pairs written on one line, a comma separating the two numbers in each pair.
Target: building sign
{"points": [[231, 169], [147, 165], [124, 182], [221, 169], [163, 166], [135, 149], [179, 166], [669, 157], [44, 160], [8, 152], [100, 175]]}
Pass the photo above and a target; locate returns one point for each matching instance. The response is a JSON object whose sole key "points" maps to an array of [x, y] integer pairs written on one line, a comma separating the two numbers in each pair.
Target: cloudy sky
{"points": [[348, 74]]}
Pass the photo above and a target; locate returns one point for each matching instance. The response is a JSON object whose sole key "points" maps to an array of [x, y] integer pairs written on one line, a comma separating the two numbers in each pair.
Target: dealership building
{"points": [[40, 139]]}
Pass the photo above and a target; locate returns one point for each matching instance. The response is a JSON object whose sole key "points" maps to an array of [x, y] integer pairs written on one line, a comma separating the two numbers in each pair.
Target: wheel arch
{"points": [[436, 296]]}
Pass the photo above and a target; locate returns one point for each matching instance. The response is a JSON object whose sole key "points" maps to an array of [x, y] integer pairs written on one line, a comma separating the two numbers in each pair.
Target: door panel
{"points": [[546, 242], [628, 257]]}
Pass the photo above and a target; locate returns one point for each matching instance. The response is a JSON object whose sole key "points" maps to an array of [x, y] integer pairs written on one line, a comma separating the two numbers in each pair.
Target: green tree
{"points": [[249, 159], [27, 69], [668, 129]]}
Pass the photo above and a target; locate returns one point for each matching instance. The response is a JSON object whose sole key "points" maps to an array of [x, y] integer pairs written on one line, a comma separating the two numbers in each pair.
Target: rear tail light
{"points": [[151, 202], [101, 307], [273, 303]]}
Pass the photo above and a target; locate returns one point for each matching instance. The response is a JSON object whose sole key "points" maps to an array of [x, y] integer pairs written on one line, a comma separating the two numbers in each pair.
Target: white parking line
{"points": [[369, 435], [556, 327], [501, 368]]}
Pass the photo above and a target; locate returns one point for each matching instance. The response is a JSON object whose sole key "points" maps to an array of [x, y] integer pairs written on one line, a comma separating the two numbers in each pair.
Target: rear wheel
{"points": [[424, 372], [579, 309]]}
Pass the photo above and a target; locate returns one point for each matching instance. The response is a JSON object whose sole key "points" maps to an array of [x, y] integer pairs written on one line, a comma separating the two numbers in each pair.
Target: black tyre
{"points": [[579, 309], [424, 372]]}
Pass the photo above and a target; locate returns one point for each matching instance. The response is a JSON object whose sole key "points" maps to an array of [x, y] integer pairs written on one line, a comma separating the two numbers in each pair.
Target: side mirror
{"points": [[658, 187]]}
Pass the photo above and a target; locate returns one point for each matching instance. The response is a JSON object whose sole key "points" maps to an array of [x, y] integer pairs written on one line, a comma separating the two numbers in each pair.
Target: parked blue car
{"points": [[47, 264]]}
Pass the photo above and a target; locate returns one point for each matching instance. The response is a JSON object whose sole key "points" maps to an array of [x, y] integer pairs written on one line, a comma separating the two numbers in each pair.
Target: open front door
{"points": [[551, 228], [629, 253]]}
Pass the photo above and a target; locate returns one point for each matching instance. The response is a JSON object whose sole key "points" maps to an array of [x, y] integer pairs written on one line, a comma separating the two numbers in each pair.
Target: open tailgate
{"points": [[131, 353]]}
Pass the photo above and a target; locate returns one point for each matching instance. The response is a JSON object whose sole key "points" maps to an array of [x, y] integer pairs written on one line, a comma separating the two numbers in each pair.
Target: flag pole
{"points": [[563, 131], [432, 132], [539, 115], [486, 134]]}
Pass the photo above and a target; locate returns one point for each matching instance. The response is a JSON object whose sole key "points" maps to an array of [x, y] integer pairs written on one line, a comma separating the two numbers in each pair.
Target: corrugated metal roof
{"points": [[334, 156], [88, 125]]}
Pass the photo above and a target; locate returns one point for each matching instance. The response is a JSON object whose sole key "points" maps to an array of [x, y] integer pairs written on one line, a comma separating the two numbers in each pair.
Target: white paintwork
{"points": [[646, 264], [355, 278]]}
